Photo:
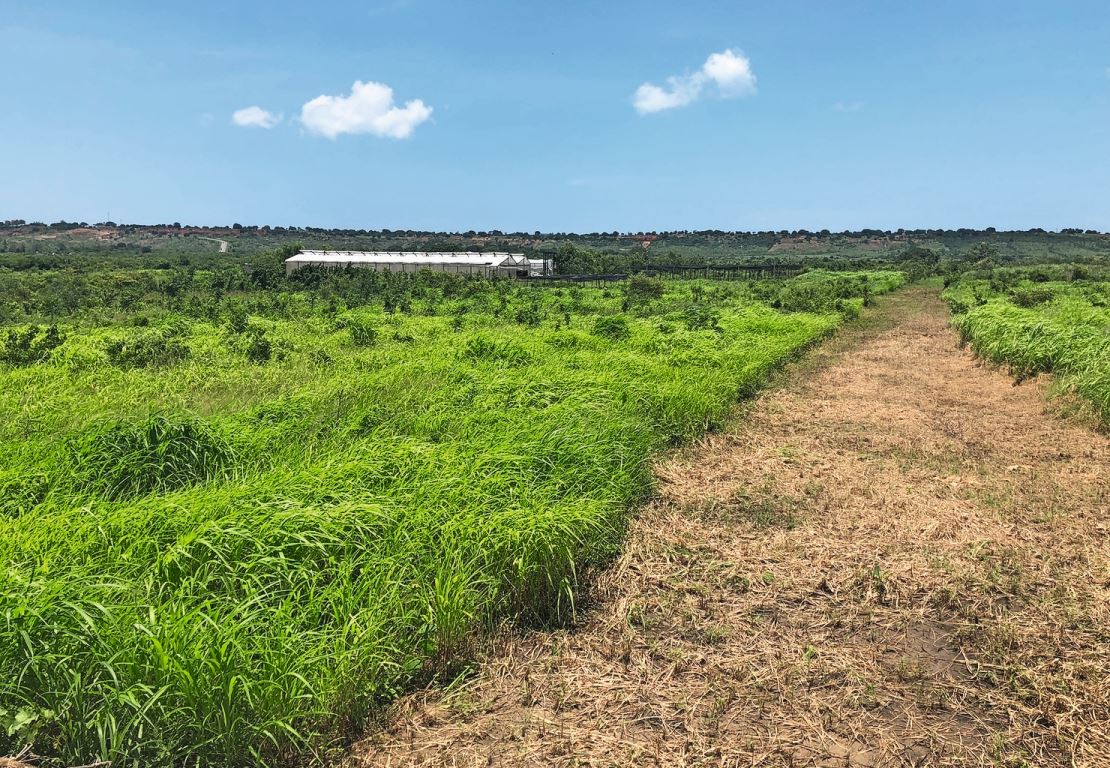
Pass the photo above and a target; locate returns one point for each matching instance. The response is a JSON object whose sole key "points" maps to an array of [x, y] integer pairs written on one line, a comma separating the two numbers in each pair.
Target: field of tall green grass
{"points": [[1048, 319], [233, 524]]}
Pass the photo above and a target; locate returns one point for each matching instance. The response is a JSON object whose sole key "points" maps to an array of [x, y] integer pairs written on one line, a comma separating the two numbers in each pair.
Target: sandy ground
{"points": [[895, 558]]}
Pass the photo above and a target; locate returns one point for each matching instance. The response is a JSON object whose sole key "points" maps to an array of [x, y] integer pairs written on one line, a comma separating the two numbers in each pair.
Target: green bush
{"points": [[820, 291], [699, 317], [259, 347], [155, 347], [363, 333], [1030, 297], [640, 289], [237, 319], [482, 349], [613, 327], [31, 345], [122, 460]]}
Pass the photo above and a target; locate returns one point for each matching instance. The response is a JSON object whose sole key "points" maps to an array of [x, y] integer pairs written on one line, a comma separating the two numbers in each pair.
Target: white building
{"points": [[463, 263]]}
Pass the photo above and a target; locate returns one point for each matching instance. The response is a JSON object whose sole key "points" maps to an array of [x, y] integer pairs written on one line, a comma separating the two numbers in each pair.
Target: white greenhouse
{"points": [[464, 263]]}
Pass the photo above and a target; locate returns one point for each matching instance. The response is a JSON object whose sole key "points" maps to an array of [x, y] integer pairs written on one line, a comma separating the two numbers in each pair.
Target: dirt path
{"points": [[223, 243], [898, 558]]}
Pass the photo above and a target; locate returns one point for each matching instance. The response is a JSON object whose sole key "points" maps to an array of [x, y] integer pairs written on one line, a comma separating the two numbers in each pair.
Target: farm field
{"points": [[237, 518], [414, 384], [895, 558]]}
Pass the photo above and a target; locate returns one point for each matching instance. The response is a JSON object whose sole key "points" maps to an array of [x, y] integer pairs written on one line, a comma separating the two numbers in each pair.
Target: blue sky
{"points": [[523, 116]]}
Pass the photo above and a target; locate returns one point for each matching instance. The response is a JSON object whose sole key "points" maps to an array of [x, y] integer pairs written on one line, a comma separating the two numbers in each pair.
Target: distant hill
{"points": [[174, 244]]}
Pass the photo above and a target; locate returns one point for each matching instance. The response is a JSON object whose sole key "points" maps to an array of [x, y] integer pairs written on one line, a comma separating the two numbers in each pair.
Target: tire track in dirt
{"points": [[896, 558]]}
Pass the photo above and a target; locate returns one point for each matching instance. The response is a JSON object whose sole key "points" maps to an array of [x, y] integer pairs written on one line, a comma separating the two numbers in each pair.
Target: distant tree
{"points": [[918, 253], [982, 256], [268, 269]]}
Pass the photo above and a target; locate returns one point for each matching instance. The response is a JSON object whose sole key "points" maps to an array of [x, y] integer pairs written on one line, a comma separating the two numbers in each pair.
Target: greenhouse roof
{"points": [[471, 258]]}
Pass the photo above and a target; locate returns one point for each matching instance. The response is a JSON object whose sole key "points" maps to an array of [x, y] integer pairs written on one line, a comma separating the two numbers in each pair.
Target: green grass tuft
{"points": [[125, 460]]}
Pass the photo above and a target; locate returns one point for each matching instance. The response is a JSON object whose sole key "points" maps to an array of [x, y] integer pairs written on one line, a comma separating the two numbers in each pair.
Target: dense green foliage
{"points": [[33, 344], [1049, 318], [237, 513], [845, 291], [70, 245]]}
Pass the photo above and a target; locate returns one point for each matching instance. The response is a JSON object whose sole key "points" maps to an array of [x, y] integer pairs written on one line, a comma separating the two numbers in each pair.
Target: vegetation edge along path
{"points": [[895, 558], [234, 523]]}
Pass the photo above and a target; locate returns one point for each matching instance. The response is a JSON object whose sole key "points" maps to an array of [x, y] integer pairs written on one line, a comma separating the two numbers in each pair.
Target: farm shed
{"points": [[464, 263]]}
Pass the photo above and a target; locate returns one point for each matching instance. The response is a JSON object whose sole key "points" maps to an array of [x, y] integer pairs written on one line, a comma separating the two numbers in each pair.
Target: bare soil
{"points": [[895, 558]]}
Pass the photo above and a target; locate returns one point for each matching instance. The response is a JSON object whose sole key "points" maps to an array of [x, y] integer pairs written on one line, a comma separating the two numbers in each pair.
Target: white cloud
{"points": [[255, 117], [848, 106], [678, 92], [369, 109], [729, 70]]}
